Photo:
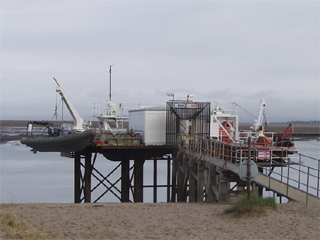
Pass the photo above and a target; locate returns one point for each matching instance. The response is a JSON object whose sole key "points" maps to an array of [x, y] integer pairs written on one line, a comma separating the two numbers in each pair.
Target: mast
{"points": [[110, 83]]}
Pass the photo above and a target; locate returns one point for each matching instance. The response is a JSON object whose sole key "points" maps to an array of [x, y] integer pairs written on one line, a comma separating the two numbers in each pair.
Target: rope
{"points": [[56, 114]]}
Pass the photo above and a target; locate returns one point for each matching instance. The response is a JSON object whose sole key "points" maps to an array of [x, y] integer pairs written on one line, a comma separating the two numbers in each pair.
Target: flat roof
{"points": [[156, 108]]}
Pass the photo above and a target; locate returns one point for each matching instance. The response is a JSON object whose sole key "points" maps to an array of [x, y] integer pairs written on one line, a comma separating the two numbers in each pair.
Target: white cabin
{"points": [[151, 122]]}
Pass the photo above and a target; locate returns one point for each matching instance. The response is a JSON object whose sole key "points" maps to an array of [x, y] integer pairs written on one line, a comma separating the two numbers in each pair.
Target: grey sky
{"points": [[217, 50]]}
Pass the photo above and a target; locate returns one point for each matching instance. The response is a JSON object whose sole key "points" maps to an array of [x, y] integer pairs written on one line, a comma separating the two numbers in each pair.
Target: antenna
{"points": [[110, 82]]}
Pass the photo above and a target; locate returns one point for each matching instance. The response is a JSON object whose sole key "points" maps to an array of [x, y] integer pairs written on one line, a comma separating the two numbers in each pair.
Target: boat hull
{"points": [[73, 142]]}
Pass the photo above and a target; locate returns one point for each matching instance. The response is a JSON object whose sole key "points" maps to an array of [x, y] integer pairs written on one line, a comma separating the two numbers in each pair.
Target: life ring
{"points": [[227, 125]]}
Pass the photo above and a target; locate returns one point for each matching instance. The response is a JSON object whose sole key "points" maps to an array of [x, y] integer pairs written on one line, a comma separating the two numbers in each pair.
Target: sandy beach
{"points": [[165, 221]]}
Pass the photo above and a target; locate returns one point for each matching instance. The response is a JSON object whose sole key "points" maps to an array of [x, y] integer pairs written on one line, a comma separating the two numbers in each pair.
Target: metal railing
{"points": [[299, 171], [108, 138], [296, 170]]}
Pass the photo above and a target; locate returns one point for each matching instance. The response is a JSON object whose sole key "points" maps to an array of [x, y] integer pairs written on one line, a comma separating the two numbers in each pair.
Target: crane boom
{"points": [[258, 124], [79, 123], [261, 113]]}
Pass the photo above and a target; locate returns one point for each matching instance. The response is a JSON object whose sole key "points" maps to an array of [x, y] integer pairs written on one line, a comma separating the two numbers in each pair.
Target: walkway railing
{"points": [[294, 170], [299, 171]]}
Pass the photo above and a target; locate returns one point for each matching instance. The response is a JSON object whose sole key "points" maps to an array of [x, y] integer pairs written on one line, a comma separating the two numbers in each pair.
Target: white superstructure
{"points": [[106, 112], [224, 121]]}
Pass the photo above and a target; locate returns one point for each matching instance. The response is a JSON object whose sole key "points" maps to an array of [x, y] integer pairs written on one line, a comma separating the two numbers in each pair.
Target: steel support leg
{"points": [[192, 180], [200, 182], [174, 179], [155, 182], [77, 178], [168, 178], [138, 180], [87, 178], [125, 180]]}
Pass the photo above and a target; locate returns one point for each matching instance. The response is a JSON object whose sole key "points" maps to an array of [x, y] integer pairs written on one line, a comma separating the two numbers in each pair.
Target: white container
{"points": [[151, 122]]}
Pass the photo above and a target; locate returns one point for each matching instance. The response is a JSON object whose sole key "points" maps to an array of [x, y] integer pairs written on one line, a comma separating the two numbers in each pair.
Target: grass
{"points": [[253, 206], [12, 228]]}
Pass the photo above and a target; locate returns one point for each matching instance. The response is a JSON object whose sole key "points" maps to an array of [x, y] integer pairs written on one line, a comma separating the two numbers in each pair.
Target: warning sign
{"points": [[192, 105], [264, 154]]}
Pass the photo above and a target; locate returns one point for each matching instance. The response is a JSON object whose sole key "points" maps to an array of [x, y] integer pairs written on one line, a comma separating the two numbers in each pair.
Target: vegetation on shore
{"points": [[253, 206], [12, 228]]}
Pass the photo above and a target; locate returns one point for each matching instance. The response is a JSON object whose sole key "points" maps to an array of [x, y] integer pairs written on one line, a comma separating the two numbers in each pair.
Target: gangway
{"points": [[288, 177]]}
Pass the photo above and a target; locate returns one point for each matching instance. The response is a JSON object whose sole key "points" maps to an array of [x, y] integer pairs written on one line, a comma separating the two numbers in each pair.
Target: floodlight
{"points": [[189, 96], [171, 95]]}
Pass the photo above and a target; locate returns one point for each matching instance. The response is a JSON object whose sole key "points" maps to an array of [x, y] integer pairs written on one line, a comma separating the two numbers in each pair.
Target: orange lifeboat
{"points": [[224, 131]]}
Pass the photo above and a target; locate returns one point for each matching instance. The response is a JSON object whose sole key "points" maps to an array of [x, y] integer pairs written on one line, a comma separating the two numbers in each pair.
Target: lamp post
{"points": [[189, 96], [171, 95]]}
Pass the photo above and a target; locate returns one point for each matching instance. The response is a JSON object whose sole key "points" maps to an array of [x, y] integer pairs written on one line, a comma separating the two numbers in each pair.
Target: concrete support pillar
{"points": [[224, 186], [256, 189], [211, 183]]}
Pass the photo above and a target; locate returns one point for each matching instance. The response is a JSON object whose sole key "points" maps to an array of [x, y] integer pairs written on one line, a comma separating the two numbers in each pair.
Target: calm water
{"points": [[48, 178]]}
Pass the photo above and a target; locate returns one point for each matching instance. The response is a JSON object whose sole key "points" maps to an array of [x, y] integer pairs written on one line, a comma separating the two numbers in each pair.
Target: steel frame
{"points": [[131, 179]]}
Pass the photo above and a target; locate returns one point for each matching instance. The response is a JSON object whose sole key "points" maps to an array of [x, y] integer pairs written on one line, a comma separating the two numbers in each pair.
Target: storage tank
{"points": [[151, 122]]}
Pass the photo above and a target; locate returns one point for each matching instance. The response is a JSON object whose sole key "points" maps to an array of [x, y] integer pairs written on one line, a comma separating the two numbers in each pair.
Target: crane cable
{"points": [[56, 114], [246, 111], [264, 114]]}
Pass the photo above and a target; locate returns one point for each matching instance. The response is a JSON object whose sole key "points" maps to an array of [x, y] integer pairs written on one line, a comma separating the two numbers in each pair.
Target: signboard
{"points": [[192, 105], [243, 170], [264, 154], [187, 138], [180, 105]]}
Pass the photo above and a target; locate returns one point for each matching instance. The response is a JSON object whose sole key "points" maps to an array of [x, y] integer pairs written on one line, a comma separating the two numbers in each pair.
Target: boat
{"points": [[60, 139], [42, 136]]}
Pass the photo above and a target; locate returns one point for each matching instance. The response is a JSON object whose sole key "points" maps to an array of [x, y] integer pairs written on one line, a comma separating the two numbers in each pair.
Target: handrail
{"points": [[281, 167], [117, 139]]}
